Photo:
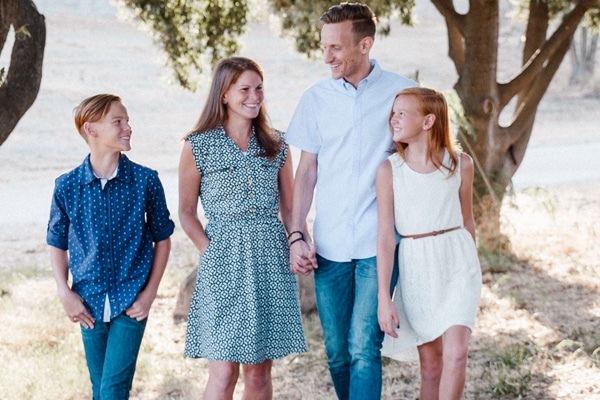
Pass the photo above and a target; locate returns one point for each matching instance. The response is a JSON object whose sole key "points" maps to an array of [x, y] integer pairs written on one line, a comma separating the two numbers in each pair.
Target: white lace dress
{"points": [[439, 283]]}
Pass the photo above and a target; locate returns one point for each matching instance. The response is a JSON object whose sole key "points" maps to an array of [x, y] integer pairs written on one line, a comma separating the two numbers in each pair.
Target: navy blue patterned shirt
{"points": [[109, 232]]}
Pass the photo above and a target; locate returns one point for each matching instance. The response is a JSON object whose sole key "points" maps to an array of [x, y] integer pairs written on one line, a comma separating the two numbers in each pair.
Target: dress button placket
{"points": [[250, 188]]}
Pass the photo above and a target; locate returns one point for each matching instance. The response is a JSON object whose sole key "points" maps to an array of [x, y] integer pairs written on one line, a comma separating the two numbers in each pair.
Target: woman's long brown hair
{"points": [[226, 73]]}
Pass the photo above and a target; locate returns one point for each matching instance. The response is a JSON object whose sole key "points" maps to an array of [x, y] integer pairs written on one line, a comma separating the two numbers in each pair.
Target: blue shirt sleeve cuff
{"points": [[164, 233], [57, 241]]}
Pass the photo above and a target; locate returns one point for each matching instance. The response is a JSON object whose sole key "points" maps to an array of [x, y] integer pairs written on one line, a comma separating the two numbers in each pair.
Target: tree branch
{"points": [[4, 23], [446, 8], [529, 103], [534, 66], [537, 27], [454, 23], [25, 72]]}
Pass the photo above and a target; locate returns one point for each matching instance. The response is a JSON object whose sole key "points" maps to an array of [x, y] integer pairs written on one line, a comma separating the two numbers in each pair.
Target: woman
{"points": [[245, 307]]}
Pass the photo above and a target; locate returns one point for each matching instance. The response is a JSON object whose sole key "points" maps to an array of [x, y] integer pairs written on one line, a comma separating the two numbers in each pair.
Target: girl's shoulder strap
{"points": [[396, 160]]}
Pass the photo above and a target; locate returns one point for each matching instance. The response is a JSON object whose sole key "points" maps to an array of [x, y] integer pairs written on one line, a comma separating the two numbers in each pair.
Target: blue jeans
{"points": [[111, 350], [346, 294]]}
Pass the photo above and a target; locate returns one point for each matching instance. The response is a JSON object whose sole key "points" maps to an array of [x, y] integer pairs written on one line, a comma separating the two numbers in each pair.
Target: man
{"points": [[341, 126]]}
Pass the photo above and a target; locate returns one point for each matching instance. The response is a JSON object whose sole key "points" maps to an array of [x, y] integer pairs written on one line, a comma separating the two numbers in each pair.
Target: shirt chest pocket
{"points": [[221, 179], [267, 176], [219, 170]]}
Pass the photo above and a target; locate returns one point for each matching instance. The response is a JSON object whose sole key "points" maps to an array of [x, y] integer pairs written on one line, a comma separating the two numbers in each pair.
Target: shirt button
{"points": [[250, 181], [230, 169], [253, 209], [251, 195], [247, 165]]}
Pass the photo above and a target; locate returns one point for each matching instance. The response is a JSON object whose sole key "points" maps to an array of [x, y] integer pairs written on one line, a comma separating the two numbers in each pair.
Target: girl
{"points": [[245, 307], [424, 191]]}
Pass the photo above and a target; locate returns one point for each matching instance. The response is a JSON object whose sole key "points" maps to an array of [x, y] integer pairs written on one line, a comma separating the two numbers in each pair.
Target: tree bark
{"points": [[22, 83]]}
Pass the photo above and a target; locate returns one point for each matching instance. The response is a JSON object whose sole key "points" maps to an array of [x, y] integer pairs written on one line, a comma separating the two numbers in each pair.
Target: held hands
{"points": [[388, 316], [302, 258], [75, 309], [302, 254]]}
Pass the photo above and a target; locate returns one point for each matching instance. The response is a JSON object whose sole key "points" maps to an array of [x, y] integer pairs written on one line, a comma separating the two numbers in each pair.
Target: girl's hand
{"points": [[388, 317]]}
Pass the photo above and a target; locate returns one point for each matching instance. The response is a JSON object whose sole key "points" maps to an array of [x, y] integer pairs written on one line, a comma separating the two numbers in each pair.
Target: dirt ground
{"points": [[547, 295]]}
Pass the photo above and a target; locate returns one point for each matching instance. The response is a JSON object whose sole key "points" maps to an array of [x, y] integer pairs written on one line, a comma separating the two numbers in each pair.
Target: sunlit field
{"points": [[536, 337], [538, 331]]}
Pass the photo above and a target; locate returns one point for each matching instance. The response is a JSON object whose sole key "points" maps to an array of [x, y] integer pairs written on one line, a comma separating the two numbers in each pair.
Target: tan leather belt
{"points": [[434, 233]]}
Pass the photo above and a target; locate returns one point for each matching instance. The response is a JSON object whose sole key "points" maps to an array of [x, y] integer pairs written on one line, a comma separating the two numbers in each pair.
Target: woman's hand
{"points": [[302, 257]]}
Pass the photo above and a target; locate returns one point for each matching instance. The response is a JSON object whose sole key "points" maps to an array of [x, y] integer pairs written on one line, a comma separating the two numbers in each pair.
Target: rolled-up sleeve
{"points": [[58, 223], [159, 222]]}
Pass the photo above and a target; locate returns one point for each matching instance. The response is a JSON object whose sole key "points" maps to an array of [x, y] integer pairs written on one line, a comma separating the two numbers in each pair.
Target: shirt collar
{"points": [[373, 75], [123, 170]]}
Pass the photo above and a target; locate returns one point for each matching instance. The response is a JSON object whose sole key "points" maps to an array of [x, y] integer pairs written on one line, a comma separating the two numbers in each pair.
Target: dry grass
{"points": [[536, 337]]}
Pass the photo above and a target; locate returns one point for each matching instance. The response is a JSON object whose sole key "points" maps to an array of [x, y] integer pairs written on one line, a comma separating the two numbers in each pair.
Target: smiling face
{"points": [[346, 58], [112, 132], [244, 97], [407, 123]]}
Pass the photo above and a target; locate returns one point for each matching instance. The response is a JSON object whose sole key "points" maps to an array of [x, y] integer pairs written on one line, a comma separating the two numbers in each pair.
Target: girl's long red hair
{"points": [[433, 102]]}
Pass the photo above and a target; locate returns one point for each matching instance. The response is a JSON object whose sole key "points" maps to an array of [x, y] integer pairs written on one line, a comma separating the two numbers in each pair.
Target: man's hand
{"points": [[302, 257]]}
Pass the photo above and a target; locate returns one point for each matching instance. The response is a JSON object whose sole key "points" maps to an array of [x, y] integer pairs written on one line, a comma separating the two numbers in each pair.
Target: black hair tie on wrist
{"points": [[300, 232], [294, 241]]}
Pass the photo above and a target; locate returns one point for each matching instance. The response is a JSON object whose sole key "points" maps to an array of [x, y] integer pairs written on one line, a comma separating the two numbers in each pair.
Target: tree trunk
{"points": [[20, 88]]}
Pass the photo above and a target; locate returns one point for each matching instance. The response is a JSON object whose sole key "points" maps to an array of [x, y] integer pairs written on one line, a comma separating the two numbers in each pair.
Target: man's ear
{"points": [[365, 44]]}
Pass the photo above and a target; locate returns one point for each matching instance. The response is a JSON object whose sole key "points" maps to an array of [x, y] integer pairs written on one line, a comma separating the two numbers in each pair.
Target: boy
{"points": [[110, 226]]}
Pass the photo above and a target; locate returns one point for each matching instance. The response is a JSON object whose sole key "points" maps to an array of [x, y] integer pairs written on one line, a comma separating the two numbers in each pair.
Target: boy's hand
{"points": [[75, 309], [141, 306]]}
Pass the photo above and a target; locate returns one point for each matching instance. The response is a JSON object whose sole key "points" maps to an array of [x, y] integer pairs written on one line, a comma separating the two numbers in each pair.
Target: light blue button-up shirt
{"points": [[348, 129]]}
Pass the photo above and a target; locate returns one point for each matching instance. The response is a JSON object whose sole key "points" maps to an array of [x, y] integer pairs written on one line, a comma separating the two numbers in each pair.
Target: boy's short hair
{"points": [[364, 22], [93, 109]]}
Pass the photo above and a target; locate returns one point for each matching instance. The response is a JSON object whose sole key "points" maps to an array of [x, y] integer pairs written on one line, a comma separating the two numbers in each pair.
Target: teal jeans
{"points": [[111, 350]]}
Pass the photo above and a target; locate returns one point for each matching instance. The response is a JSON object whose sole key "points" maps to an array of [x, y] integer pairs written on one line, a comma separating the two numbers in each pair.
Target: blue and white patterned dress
{"points": [[245, 307]]}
